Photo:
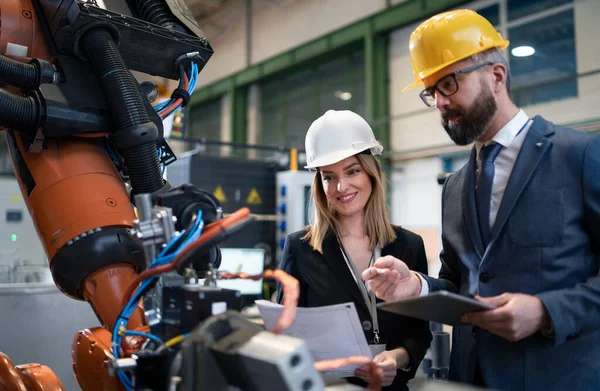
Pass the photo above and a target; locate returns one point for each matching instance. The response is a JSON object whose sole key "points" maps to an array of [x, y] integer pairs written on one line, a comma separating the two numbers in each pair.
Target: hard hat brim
{"points": [[414, 84], [338, 156]]}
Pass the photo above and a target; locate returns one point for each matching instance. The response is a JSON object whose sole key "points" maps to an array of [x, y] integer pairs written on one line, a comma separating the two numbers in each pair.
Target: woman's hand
{"points": [[389, 361]]}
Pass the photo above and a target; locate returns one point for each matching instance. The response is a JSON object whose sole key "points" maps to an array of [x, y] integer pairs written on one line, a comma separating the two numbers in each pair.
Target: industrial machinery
{"points": [[87, 146], [294, 203]]}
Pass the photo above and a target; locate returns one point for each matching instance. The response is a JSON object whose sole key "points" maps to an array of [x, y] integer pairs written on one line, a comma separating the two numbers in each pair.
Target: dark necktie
{"points": [[483, 193]]}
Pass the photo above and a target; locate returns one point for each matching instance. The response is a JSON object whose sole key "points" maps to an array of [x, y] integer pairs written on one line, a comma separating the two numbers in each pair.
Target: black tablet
{"points": [[440, 306]]}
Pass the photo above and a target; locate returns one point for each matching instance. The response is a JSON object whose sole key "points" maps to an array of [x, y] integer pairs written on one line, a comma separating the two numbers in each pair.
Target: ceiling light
{"points": [[522, 51], [343, 95]]}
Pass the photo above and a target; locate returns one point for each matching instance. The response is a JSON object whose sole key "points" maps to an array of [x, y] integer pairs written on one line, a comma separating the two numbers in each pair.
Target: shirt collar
{"points": [[508, 132]]}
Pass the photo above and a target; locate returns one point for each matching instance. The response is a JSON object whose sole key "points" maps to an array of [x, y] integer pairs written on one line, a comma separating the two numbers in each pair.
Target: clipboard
{"points": [[440, 306]]}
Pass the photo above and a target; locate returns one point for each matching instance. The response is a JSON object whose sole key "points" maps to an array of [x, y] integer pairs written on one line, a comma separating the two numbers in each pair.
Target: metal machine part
{"points": [[68, 20], [436, 364], [226, 351], [230, 350], [186, 306], [268, 361], [185, 201], [294, 204], [155, 225], [440, 357]]}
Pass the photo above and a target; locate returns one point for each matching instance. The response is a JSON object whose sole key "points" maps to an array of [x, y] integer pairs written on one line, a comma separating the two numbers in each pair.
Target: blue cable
{"points": [[162, 259], [196, 230], [131, 305], [163, 166], [193, 79]]}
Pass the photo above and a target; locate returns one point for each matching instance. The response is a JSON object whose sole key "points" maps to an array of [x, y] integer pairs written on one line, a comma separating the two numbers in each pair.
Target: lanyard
{"points": [[369, 298]]}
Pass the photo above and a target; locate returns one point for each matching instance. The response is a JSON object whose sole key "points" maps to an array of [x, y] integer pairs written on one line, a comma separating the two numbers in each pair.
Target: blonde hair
{"points": [[377, 224]]}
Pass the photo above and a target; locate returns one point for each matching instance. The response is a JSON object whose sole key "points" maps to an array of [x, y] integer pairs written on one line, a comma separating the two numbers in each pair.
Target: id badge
{"points": [[376, 349]]}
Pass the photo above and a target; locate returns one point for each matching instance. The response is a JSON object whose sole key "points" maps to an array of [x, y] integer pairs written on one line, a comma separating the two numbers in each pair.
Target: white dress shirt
{"points": [[511, 141], [511, 137]]}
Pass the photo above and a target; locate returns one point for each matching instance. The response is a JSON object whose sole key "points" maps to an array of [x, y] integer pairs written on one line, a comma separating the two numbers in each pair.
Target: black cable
{"points": [[136, 135], [118, 84], [143, 168], [158, 12], [18, 74], [19, 113], [183, 94]]}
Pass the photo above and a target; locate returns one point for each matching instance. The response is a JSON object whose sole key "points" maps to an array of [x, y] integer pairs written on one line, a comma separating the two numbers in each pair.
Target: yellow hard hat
{"points": [[447, 38]]}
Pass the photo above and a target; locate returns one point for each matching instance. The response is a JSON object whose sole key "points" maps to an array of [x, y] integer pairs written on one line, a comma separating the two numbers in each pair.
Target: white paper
{"points": [[330, 332]]}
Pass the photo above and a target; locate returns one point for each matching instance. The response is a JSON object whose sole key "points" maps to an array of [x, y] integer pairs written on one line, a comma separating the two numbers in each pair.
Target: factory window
{"points": [[290, 103], [342, 84], [491, 13], [204, 121], [519, 8], [543, 59], [299, 107]]}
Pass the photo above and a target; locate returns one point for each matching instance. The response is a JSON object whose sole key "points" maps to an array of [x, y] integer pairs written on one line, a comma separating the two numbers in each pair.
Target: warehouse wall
{"points": [[273, 27]]}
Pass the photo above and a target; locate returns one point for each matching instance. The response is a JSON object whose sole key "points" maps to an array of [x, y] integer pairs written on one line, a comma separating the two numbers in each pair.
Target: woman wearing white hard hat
{"points": [[351, 230]]}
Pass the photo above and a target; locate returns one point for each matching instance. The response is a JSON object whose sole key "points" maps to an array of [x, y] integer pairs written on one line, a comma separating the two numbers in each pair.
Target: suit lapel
{"points": [[534, 147], [469, 205], [332, 255]]}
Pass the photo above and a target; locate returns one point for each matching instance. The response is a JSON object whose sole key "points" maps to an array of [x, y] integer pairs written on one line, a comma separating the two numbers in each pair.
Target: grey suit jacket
{"points": [[545, 243]]}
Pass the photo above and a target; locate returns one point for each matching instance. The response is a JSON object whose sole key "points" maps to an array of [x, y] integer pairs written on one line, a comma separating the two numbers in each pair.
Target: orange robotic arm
{"points": [[78, 200], [82, 214]]}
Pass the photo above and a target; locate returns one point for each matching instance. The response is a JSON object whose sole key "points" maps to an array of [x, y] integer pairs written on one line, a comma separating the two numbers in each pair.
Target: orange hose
{"points": [[291, 290]]}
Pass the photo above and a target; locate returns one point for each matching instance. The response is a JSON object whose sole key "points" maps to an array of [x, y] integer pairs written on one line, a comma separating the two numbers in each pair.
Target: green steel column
{"points": [[377, 89], [377, 86], [239, 112]]}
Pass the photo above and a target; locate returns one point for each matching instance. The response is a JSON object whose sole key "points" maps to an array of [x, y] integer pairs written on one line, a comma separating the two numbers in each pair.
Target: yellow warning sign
{"points": [[253, 197], [220, 194]]}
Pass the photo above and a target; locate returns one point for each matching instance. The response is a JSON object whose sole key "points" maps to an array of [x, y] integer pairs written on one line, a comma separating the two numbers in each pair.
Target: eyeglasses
{"points": [[447, 85]]}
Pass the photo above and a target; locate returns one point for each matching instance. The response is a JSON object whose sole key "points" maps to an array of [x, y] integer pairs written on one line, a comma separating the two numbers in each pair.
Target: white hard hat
{"points": [[337, 135]]}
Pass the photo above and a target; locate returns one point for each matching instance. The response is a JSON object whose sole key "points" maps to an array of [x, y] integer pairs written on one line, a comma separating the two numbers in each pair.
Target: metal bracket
{"points": [[37, 144]]}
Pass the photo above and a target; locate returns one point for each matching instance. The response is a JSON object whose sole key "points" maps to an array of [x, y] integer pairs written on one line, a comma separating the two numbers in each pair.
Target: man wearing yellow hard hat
{"points": [[520, 221]]}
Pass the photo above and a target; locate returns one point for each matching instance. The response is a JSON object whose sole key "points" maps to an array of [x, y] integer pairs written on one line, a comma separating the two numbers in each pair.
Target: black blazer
{"points": [[326, 280]]}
